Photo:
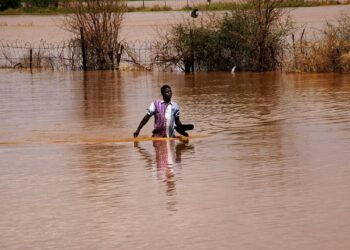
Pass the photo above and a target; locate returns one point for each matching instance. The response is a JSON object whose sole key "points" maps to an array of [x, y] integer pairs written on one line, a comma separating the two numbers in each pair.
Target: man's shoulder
{"points": [[175, 104]]}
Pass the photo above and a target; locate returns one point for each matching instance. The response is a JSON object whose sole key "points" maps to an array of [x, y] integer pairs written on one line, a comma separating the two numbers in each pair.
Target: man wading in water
{"points": [[166, 116]]}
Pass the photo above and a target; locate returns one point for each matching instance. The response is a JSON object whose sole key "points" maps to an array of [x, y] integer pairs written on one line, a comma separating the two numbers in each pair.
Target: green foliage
{"points": [[7, 4], [146, 9], [281, 4], [251, 39], [255, 37], [43, 3]]}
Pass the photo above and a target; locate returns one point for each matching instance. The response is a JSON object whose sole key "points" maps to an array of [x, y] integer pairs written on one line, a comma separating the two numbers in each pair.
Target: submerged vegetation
{"points": [[52, 7], [329, 52], [97, 24], [259, 38], [249, 38], [280, 4]]}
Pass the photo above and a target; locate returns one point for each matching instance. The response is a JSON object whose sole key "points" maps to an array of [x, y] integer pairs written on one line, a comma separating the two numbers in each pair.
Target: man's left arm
{"points": [[177, 121], [179, 127]]}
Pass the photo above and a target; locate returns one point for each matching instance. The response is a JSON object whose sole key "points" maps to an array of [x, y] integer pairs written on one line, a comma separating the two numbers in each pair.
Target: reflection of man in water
{"points": [[167, 159], [166, 115]]}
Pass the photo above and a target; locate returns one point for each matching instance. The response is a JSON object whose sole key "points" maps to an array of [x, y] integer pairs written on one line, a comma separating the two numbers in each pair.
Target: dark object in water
{"points": [[194, 13], [182, 129]]}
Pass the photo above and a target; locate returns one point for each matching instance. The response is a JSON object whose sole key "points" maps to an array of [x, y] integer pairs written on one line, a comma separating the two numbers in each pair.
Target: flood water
{"points": [[266, 167], [147, 26]]}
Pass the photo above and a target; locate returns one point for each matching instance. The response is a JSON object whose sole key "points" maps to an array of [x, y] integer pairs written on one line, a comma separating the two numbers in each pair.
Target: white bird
{"points": [[233, 69]]}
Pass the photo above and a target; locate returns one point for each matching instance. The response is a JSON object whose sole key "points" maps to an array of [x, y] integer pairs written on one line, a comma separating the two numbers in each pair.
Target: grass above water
{"points": [[284, 4], [212, 6], [35, 11]]}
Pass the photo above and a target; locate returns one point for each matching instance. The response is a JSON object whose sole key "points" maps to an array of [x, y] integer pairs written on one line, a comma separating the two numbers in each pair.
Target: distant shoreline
{"points": [[174, 5], [141, 26]]}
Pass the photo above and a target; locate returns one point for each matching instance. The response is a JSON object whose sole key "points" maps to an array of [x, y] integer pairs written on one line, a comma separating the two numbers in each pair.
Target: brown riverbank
{"points": [[140, 26]]}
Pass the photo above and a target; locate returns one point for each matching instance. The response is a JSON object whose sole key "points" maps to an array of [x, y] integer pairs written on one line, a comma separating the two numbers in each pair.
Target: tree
{"points": [[100, 23], [259, 32], [251, 37]]}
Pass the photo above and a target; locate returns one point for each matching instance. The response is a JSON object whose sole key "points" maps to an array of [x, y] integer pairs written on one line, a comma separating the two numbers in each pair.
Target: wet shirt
{"points": [[164, 117]]}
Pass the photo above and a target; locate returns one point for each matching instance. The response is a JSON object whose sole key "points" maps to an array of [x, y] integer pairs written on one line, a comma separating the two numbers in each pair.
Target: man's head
{"points": [[166, 92]]}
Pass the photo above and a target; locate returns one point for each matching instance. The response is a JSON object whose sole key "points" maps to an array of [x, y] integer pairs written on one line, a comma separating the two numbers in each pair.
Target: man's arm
{"points": [[179, 127], [182, 128], [177, 121], [142, 123]]}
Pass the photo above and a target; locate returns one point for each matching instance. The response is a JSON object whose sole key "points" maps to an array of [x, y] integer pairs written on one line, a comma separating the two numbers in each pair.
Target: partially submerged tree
{"points": [[251, 38], [258, 33], [189, 45], [99, 23]]}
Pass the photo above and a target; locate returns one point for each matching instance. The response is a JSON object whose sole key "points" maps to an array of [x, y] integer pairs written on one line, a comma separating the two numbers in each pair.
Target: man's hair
{"points": [[165, 86]]}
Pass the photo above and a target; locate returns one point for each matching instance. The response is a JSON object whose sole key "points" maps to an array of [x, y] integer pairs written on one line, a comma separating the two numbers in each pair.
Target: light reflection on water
{"points": [[267, 166]]}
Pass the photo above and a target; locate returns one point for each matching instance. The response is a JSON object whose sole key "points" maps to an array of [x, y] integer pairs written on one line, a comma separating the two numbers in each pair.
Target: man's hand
{"points": [[136, 133], [142, 123], [181, 128]]}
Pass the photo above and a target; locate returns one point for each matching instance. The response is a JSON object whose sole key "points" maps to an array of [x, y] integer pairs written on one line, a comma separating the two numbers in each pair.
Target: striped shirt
{"points": [[164, 117]]}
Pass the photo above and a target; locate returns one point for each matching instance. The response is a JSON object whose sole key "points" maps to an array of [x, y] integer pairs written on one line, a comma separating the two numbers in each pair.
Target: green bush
{"points": [[42, 3], [251, 39], [7, 4], [255, 37], [185, 46]]}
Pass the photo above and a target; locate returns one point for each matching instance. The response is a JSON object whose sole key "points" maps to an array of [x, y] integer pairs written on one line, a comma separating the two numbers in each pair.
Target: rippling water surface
{"points": [[267, 166]]}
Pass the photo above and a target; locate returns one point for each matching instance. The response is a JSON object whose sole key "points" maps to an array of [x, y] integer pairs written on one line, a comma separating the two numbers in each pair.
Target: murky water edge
{"points": [[266, 167]]}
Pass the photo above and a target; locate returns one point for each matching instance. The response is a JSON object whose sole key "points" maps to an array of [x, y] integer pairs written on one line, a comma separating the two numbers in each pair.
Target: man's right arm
{"points": [[142, 123]]}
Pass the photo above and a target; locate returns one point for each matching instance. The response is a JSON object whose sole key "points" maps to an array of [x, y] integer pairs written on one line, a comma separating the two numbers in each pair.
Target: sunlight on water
{"points": [[266, 166]]}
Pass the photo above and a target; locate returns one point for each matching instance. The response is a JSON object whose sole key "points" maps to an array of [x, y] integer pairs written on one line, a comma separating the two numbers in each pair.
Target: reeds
{"points": [[327, 52]]}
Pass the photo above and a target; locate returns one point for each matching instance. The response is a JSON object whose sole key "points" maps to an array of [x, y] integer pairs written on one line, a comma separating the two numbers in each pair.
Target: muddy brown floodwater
{"points": [[267, 166], [142, 26]]}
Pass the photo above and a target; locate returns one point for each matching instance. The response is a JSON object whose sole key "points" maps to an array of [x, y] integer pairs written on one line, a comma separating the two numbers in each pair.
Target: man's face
{"points": [[167, 94]]}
